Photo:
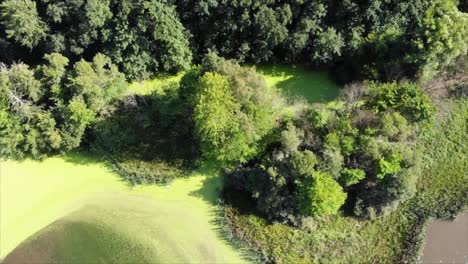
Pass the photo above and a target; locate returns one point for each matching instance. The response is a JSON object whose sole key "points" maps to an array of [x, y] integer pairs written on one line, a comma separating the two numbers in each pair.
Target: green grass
{"points": [[156, 85], [300, 82], [93, 214], [396, 238], [292, 81], [89, 213]]}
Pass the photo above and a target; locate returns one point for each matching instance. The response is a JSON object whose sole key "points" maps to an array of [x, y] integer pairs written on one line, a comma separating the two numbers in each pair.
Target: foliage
{"points": [[395, 238], [406, 98], [370, 160], [233, 109], [352, 176], [389, 166], [216, 119], [47, 110], [319, 194], [148, 172], [443, 36], [22, 22], [145, 37]]}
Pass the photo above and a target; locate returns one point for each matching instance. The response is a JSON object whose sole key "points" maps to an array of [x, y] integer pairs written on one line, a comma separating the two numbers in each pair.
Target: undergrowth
{"points": [[395, 238]]}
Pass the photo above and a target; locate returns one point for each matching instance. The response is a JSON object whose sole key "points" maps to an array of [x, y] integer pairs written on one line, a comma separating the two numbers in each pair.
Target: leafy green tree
{"points": [[98, 82], [327, 45], [352, 176], [22, 22], [252, 116], [216, 119], [146, 36], [405, 97], [53, 75], [443, 35], [395, 126], [20, 89], [304, 162], [389, 165], [291, 138], [319, 194], [271, 27]]}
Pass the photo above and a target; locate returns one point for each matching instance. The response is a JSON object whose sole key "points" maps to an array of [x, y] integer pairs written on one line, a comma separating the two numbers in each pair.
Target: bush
{"points": [[148, 172], [352, 176], [319, 195], [405, 97]]}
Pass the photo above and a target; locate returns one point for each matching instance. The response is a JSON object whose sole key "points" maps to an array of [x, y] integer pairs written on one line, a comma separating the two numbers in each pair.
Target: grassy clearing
{"points": [[300, 82], [396, 238], [293, 81], [156, 85], [174, 223]]}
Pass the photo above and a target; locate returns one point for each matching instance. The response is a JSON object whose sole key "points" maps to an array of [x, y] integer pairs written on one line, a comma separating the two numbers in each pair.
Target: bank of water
{"points": [[447, 241]]}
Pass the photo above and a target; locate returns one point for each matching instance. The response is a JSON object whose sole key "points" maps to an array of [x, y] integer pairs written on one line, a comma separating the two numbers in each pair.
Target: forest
{"points": [[380, 159]]}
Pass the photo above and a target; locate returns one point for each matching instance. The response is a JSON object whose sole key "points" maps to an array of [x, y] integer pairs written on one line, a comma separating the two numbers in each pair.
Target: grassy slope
{"points": [[397, 238], [176, 220]]}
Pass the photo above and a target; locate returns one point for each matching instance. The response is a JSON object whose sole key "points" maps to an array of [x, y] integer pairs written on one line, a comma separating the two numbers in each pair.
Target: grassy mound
{"points": [[95, 215]]}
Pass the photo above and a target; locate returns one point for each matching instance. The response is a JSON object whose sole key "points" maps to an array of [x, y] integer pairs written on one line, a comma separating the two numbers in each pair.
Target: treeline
{"points": [[383, 40], [47, 109]]}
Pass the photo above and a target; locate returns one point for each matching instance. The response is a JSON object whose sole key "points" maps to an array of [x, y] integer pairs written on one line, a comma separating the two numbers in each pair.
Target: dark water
{"points": [[447, 241]]}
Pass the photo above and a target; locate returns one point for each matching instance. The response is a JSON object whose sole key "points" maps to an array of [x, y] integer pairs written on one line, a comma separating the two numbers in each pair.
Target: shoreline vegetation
{"points": [[399, 237]]}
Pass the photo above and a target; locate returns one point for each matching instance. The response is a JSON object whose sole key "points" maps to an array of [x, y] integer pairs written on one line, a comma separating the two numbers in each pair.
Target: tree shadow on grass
{"points": [[83, 158], [301, 82], [211, 192]]}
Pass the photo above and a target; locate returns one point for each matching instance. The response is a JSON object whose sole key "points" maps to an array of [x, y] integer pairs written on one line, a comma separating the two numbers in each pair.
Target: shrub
{"points": [[352, 176], [318, 194], [405, 97]]}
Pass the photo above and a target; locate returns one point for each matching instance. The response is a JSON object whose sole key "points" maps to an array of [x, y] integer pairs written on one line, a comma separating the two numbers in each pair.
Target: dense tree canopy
{"points": [[47, 109], [380, 39], [360, 153], [22, 22]]}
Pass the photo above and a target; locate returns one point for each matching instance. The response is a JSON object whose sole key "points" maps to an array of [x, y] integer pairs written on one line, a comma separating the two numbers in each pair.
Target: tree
{"points": [[271, 27], [405, 97], [146, 36], [22, 22], [53, 75], [352, 176], [327, 45], [319, 194], [98, 83], [443, 36], [389, 165], [250, 110], [216, 119], [291, 138]]}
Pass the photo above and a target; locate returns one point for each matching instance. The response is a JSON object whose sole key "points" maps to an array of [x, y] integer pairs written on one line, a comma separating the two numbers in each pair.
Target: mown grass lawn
{"points": [[75, 209], [300, 82]]}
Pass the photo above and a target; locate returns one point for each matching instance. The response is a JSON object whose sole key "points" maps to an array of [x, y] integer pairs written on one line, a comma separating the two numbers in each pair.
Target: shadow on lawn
{"points": [[211, 191], [301, 82]]}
